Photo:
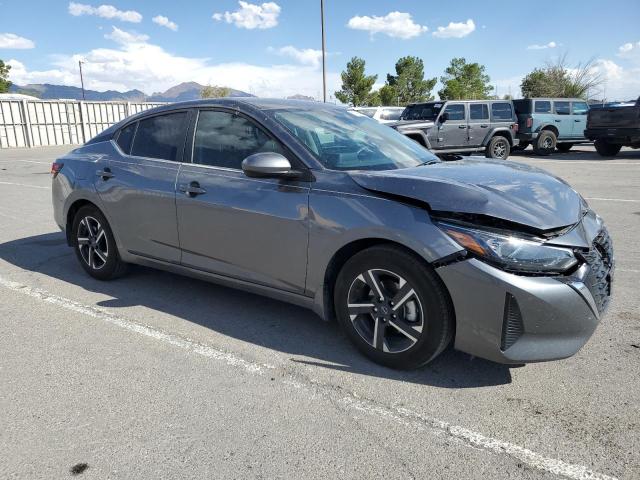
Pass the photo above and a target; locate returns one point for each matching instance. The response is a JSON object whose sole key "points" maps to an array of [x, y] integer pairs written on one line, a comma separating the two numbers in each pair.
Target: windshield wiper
{"points": [[428, 162]]}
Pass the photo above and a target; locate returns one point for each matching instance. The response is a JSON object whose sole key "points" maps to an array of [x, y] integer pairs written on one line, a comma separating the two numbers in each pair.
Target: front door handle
{"points": [[104, 174], [557, 121], [484, 125], [462, 126], [192, 190], [577, 120]]}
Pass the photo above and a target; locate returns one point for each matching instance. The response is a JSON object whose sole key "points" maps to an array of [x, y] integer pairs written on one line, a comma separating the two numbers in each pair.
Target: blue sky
{"points": [[272, 48]]}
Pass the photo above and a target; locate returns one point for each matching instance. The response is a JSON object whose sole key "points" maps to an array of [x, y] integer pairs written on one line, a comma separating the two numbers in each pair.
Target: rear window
{"points": [[125, 137], [580, 108], [501, 111], [563, 108], [478, 111], [391, 114], [543, 106], [161, 137]]}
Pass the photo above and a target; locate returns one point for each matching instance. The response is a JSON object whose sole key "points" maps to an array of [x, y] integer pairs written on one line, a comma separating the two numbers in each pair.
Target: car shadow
{"points": [[250, 318], [577, 153]]}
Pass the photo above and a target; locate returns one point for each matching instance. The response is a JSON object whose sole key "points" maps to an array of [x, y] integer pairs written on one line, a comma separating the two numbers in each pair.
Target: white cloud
{"points": [[165, 22], [629, 50], [455, 29], [305, 56], [104, 11], [252, 16], [620, 83], [543, 47], [123, 38], [11, 40], [394, 24], [138, 64]]}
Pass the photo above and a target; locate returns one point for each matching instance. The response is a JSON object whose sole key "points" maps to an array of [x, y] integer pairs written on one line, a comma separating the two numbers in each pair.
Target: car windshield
{"points": [[347, 140], [422, 111]]}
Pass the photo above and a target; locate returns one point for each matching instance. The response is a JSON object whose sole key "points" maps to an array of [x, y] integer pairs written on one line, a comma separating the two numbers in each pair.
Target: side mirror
{"points": [[444, 117], [266, 164]]}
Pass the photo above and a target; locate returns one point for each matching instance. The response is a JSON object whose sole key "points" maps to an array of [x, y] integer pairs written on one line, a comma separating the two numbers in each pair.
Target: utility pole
{"points": [[80, 62], [324, 65]]}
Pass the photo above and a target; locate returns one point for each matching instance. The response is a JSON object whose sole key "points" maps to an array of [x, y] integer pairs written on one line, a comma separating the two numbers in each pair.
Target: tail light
{"points": [[515, 127], [529, 122], [55, 168]]}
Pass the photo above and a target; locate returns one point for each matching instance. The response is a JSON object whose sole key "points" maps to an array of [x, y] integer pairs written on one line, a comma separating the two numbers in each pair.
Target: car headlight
{"points": [[510, 252]]}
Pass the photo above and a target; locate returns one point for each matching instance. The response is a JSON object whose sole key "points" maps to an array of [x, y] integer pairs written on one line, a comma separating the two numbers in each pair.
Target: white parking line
{"points": [[400, 416], [612, 199], [25, 161], [599, 163], [25, 185]]}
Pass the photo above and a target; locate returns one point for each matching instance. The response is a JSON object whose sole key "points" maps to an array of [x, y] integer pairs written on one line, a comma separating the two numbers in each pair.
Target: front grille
{"points": [[601, 264]]}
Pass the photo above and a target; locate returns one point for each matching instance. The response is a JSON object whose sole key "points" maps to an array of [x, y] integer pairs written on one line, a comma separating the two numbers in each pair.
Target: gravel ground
{"points": [[160, 376]]}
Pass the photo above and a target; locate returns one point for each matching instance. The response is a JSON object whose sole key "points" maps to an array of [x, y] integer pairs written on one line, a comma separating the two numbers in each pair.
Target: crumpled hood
{"points": [[505, 190]]}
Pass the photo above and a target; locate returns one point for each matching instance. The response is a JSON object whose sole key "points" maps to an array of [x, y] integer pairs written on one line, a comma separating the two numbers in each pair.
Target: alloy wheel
{"points": [[499, 149], [92, 243], [547, 143], [385, 310]]}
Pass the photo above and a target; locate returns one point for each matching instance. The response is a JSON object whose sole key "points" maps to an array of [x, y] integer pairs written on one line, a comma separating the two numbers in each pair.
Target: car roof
{"points": [[552, 99]]}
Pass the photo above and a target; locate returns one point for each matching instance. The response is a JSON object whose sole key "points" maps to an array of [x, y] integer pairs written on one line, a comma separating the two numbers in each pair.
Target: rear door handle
{"points": [[462, 126], [192, 190], [557, 121], [577, 120], [484, 126], [105, 173]]}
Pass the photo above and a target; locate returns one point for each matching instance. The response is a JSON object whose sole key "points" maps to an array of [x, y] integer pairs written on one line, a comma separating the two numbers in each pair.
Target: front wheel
{"points": [[499, 148], [95, 245], [606, 149], [393, 307]]}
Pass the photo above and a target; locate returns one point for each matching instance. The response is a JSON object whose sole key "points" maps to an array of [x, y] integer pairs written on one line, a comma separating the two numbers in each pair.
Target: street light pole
{"points": [[80, 62], [324, 65]]}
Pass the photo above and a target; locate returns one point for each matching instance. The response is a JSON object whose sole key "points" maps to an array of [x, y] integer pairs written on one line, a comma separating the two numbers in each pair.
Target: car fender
{"points": [[493, 132]]}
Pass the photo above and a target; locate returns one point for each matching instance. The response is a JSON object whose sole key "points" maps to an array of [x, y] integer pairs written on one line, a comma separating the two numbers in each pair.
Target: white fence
{"points": [[40, 123]]}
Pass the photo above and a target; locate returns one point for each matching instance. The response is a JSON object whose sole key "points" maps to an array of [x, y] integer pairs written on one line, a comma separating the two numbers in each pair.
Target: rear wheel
{"points": [[545, 143], [393, 307], [95, 245], [498, 148], [564, 147], [606, 149]]}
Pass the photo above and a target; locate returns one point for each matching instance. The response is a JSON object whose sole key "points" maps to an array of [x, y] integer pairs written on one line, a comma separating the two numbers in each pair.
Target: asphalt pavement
{"points": [[160, 376]]}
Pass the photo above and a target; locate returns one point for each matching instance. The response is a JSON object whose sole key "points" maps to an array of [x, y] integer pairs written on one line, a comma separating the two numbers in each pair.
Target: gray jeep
{"points": [[461, 126]]}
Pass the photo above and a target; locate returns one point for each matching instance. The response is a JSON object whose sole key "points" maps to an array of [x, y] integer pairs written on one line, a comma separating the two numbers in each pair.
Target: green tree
{"points": [[373, 99], [559, 80], [210, 91], [388, 95], [465, 81], [356, 86], [409, 82], [4, 77]]}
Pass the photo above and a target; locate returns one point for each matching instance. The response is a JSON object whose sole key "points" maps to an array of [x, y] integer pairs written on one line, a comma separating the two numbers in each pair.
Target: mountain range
{"points": [[177, 93]]}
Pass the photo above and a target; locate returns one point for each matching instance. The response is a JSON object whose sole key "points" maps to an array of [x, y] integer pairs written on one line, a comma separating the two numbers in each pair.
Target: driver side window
{"points": [[225, 139]]}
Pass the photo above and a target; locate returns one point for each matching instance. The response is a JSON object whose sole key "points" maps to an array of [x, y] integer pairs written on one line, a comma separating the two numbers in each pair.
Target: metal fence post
{"points": [[85, 127], [26, 123], [127, 109]]}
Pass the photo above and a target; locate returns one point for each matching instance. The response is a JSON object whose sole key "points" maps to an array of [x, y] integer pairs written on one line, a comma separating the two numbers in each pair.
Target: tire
{"points": [[521, 146], [606, 149], [564, 147], [545, 143], [498, 148], [426, 315], [95, 246]]}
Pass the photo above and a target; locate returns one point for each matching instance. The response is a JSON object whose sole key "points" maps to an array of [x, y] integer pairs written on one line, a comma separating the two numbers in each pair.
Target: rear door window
{"points": [[161, 137], [478, 111], [543, 106], [579, 108], [501, 111], [455, 111], [125, 137], [563, 108]]}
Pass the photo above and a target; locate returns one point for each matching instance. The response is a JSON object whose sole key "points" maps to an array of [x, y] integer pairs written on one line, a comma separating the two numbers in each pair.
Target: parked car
{"points": [[550, 123], [459, 127], [381, 114], [315, 205], [614, 127]]}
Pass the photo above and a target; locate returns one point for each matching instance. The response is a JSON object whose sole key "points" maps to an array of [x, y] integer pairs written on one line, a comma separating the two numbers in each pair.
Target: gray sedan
{"points": [[325, 208]]}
